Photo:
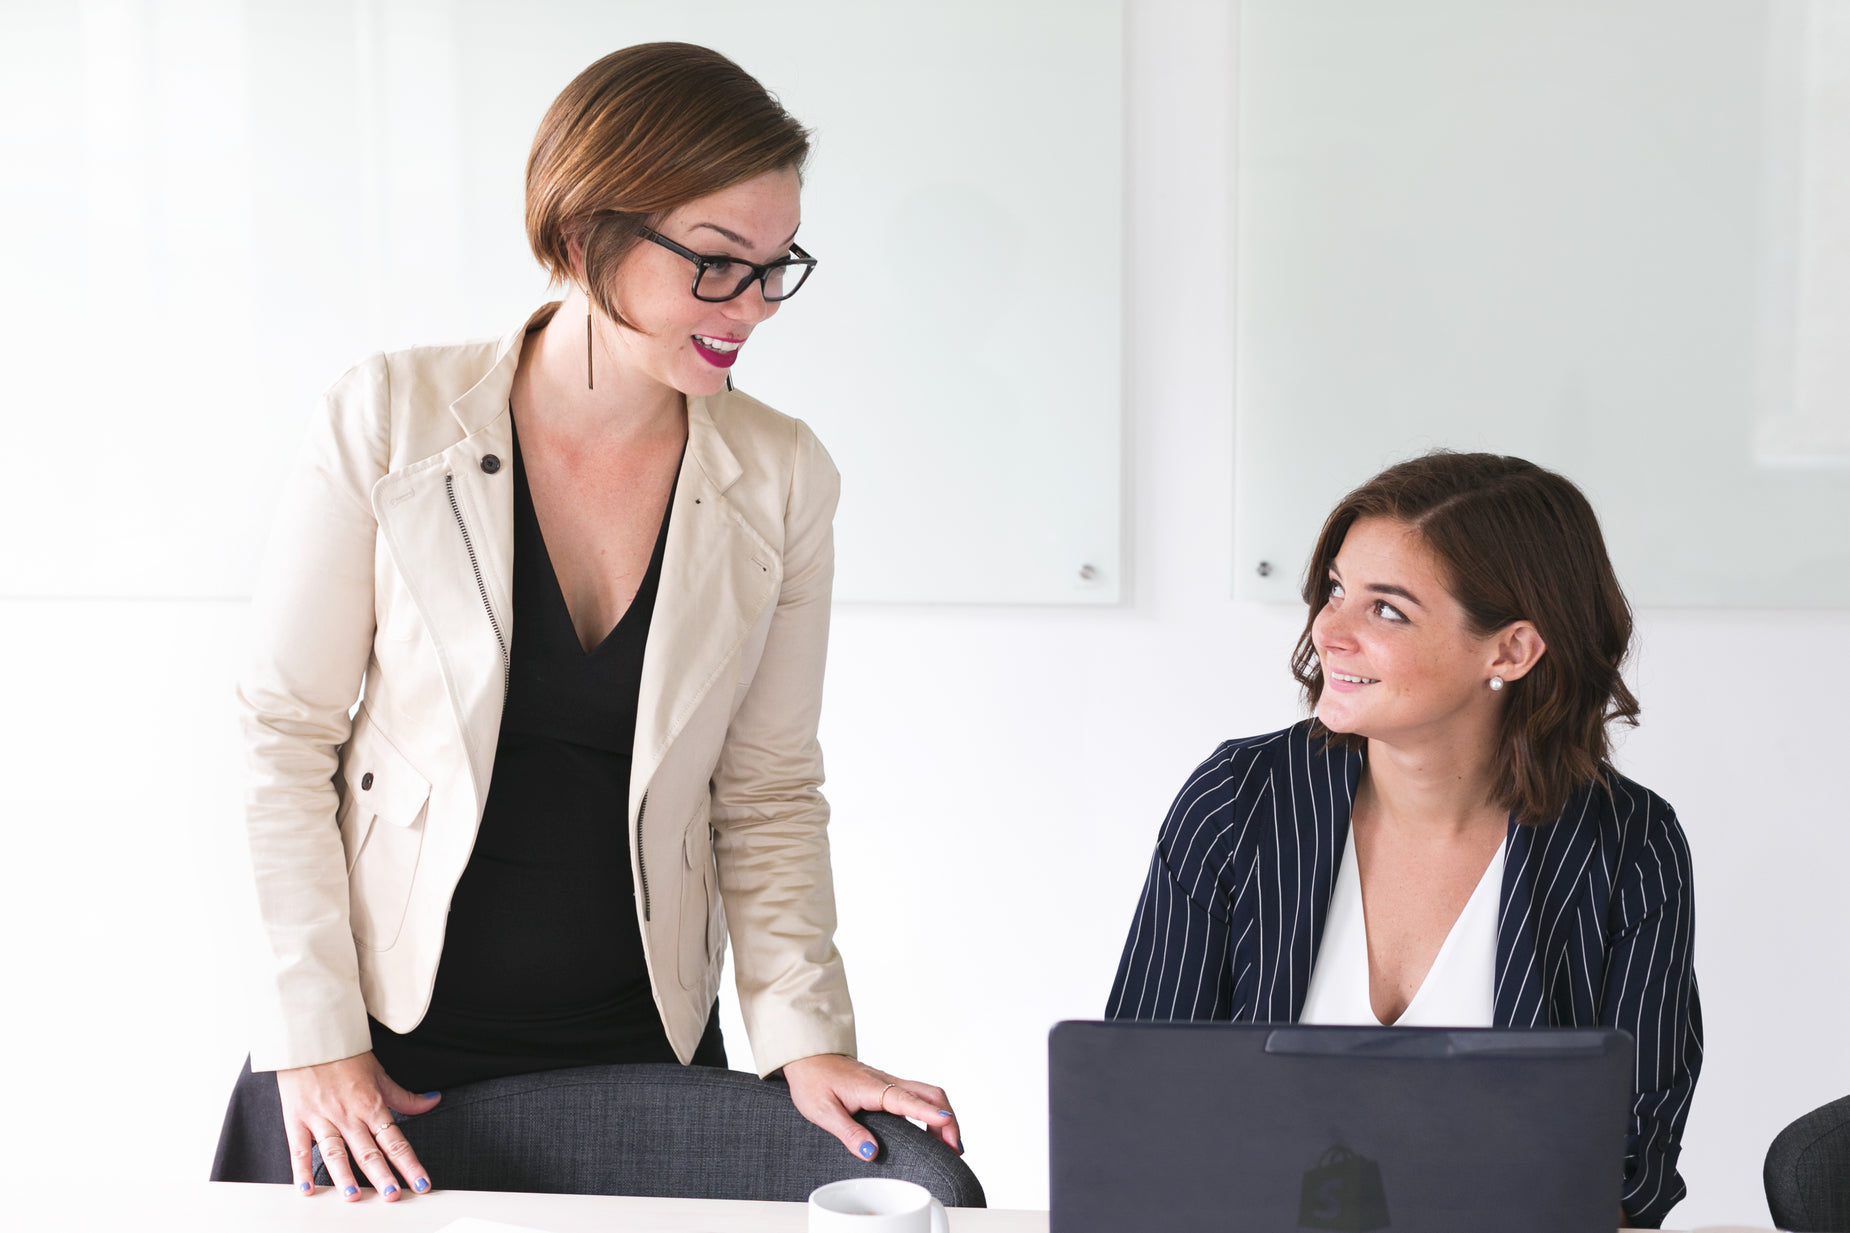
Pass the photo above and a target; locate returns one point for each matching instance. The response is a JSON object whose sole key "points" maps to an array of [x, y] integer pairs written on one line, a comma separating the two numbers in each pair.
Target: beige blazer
{"points": [[387, 583]]}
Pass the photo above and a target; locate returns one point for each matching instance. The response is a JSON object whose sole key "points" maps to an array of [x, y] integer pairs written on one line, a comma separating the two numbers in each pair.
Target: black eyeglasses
{"points": [[718, 279]]}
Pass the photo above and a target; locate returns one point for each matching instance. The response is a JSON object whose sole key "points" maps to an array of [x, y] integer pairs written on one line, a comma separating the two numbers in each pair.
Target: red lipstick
{"points": [[719, 359]]}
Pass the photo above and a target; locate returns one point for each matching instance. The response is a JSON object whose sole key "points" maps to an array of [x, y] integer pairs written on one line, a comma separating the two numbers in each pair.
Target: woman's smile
{"points": [[719, 351]]}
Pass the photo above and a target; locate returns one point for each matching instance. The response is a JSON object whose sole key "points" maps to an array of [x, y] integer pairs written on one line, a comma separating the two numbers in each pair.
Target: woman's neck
{"points": [[1440, 784], [595, 396]]}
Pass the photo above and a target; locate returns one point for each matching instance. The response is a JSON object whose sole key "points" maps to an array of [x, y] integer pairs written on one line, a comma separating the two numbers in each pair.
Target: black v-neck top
{"points": [[542, 956]]}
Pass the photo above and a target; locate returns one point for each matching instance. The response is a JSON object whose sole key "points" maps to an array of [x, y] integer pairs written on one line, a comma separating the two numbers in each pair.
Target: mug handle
{"points": [[940, 1222]]}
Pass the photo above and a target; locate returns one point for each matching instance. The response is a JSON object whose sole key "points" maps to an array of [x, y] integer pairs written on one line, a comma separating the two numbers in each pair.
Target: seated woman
{"points": [[1445, 842], [537, 666]]}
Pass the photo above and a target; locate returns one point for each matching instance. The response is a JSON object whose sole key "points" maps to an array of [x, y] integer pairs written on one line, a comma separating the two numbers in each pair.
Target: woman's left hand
{"points": [[830, 1088]]}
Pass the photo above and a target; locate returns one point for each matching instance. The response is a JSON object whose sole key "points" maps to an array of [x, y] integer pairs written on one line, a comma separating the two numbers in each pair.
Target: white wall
{"points": [[998, 775]]}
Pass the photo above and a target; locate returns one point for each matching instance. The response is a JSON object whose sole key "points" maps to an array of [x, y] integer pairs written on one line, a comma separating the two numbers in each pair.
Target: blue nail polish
{"points": [[302, 1186], [432, 1095], [944, 1113], [867, 1151], [351, 1191], [389, 1190], [421, 1185]]}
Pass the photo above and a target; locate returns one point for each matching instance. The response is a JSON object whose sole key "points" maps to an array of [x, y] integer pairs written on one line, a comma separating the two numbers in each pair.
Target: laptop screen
{"points": [[1220, 1126]]}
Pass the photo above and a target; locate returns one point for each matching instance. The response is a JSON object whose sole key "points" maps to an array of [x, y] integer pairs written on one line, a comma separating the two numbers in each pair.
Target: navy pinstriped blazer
{"points": [[1594, 930]]}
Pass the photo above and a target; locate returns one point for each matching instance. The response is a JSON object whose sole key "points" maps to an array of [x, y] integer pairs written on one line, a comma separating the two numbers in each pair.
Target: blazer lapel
{"points": [[718, 576], [1317, 797], [448, 521], [1544, 872]]}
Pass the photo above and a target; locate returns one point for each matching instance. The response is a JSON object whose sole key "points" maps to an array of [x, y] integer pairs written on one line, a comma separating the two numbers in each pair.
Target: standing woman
{"points": [[1445, 844], [578, 587]]}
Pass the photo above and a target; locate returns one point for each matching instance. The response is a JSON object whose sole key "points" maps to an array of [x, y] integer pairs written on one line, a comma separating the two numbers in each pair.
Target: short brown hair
{"points": [[644, 130], [1516, 542]]}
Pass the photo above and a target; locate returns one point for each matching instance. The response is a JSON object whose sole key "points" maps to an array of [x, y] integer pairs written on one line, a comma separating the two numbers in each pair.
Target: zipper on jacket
{"points": [[641, 869], [449, 487], [708, 886]]}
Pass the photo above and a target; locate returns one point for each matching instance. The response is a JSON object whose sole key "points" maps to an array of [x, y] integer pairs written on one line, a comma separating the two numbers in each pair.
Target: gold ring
{"points": [[382, 1127], [883, 1091]]}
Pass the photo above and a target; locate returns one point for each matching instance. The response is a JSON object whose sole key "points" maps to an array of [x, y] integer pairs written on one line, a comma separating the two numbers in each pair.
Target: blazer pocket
{"points": [[699, 902], [382, 830]]}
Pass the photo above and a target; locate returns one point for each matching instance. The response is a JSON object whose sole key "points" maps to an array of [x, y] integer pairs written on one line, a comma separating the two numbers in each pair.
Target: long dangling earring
{"points": [[1496, 683], [589, 384]]}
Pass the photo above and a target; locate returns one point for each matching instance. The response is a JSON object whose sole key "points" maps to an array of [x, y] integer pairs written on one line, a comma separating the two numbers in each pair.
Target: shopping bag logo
{"points": [[1343, 1191]]}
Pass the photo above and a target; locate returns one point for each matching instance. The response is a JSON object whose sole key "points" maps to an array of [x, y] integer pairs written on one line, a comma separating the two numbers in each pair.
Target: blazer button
{"points": [[366, 782], [490, 463]]}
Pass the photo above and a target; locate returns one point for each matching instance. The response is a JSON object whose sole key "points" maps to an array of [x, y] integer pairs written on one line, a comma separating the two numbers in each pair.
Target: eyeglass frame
{"points": [[759, 273]]}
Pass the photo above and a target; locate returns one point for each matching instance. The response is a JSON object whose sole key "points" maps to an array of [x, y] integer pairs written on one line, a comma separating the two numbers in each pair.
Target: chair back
{"points": [[662, 1130], [1808, 1172]]}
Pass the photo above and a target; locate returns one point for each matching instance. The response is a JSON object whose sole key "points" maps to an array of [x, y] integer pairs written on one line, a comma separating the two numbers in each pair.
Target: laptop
{"points": [[1240, 1127]]}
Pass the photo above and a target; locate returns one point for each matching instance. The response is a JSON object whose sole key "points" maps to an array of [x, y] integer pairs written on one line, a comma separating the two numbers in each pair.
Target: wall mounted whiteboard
{"points": [[1607, 237], [213, 208]]}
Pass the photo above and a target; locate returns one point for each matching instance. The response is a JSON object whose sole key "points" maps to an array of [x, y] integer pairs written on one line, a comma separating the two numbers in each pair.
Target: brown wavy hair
{"points": [[1516, 542], [644, 130]]}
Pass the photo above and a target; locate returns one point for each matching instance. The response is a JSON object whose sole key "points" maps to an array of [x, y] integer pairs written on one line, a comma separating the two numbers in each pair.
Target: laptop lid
{"points": [[1237, 1127]]}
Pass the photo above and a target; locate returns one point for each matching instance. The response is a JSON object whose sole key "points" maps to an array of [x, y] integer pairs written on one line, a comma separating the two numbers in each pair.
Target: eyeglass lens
{"points": [[721, 280]]}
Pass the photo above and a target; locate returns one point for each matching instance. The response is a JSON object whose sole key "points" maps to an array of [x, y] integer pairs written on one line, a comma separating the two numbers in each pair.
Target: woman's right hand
{"points": [[346, 1108]]}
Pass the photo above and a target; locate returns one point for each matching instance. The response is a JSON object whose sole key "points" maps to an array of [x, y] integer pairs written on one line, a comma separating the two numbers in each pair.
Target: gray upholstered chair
{"points": [[687, 1131], [1808, 1172]]}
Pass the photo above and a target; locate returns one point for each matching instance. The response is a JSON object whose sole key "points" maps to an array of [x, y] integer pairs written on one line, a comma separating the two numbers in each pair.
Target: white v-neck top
{"points": [[1459, 989]]}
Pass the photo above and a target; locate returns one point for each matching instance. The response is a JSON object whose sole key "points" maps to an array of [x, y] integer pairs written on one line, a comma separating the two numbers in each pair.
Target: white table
{"points": [[225, 1207], [230, 1207]]}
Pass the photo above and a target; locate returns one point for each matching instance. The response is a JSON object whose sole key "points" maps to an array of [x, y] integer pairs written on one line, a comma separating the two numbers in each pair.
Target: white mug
{"points": [[875, 1205]]}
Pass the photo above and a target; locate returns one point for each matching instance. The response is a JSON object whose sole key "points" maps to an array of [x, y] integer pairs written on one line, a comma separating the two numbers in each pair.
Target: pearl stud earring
{"points": [[1496, 683]]}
